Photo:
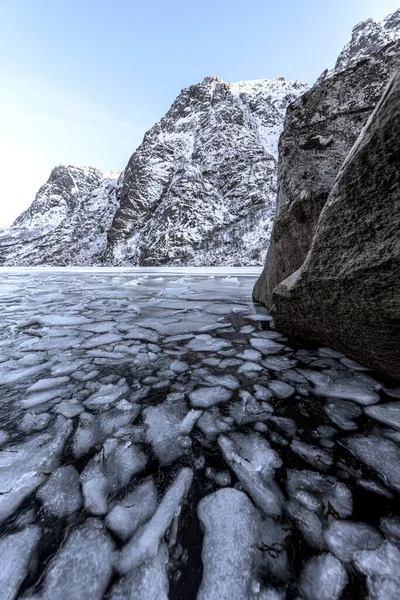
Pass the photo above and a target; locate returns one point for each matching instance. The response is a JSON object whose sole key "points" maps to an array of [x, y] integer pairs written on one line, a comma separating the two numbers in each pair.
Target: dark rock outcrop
{"points": [[320, 129], [347, 293]]}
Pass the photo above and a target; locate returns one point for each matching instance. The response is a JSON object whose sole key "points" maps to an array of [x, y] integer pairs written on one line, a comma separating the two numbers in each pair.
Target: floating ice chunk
{"points": [[262, 393], [279, 363], [344, 538], [380, 454], [189, 421], [122, 460], [15, 555], [249, 367], [144, 545], [254, 462], [308, 523], [61, 494], [323, 578], [374, 486], [231, 529], [335, 494], [102, 340], [266, 346], [17, 375], [31, 422], [315, 456], [135, 509], [95, 487], [251, 355], [221, 478], [280, 389], [227, 363], [342, 413], [36, 398], [209, 396], [347, 386], [83, 566], [179, 366], [386, 413], [259, 317], [352, 364], [308, 500], [30, 360], [101, 327], [66, 368], [391, 528], [178, 338], [68, 409], [107, 394], [246, 329], [206, 343], [228, 381], [210, 423], [392, 392], [163, 424], [381, 566], [142, 334], [24, 466], [148, 582]]}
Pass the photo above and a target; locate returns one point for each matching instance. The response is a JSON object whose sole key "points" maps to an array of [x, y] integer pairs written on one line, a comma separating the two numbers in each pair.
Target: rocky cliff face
{"points": [[320, 129], [201, 188], [347, 293], [67, 222]]}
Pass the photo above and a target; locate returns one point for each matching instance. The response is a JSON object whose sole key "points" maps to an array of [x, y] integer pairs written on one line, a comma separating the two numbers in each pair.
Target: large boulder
{"points": [[320, 129], [347, 293]]}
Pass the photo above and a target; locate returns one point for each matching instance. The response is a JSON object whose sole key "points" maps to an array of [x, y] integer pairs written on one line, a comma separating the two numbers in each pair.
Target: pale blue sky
{"points": [[82, 80]]}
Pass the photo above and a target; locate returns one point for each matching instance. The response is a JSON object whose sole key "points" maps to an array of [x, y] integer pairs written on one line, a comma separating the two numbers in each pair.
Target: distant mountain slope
{"points": [[67, 222]]}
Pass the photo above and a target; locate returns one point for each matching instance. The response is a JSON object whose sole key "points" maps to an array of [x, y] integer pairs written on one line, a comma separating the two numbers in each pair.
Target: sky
{"points": [[81, 81]]}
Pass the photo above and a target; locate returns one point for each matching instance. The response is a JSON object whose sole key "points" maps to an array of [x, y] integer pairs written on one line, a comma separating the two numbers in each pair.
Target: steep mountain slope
{"points": [[367, 38], [67, 222], [207, 166]]}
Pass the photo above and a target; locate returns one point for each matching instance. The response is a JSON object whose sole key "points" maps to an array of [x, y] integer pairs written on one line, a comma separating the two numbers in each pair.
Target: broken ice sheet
{"points": [[254, 463], [144, 545], [16, 551], [82, 568], [133, 510], [323, 578], [231, 529], [23, 467]]}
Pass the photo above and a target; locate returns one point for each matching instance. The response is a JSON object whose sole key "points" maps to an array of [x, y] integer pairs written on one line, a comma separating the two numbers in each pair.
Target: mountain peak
{"points": [[367, 38]]}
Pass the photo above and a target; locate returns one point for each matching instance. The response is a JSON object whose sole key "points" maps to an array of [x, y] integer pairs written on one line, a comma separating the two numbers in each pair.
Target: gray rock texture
{"points": [[320, 129], [347, 293]]}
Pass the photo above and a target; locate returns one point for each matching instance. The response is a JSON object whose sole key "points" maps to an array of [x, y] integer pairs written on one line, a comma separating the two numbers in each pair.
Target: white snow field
{"points": [[159, 440]]}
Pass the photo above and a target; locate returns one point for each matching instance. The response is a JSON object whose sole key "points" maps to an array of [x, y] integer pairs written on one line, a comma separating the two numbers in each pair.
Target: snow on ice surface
{"points": [[129, 397]]}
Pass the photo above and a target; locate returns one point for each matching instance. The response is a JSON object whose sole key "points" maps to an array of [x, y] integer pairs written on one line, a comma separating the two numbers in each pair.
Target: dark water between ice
{"points": [[157, 440]]}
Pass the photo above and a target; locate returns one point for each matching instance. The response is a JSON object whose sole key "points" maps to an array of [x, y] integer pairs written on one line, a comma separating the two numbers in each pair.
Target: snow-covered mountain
{"points": [[367, 38], [67, 222], [201, 188]]}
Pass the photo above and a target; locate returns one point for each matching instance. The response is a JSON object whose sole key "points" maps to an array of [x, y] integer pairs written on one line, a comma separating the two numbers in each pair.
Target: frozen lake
{"points": [[158, 440]]}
